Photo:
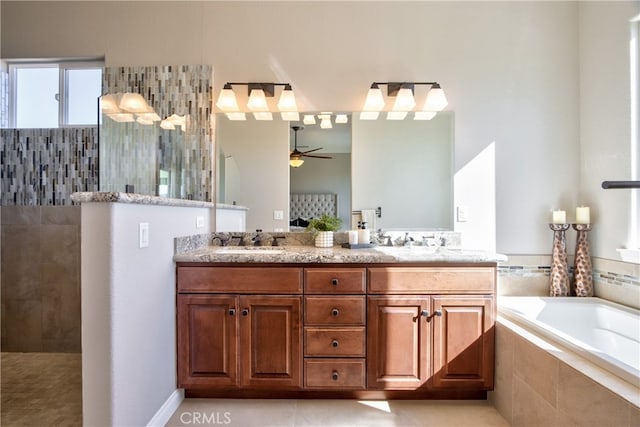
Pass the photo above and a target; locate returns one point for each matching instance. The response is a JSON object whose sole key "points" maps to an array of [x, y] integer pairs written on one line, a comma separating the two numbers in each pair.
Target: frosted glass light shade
{"points": [[369, 115], [166, 124], [374, 101], [424, 115], [227, 101], [292, 116], [436, 100], [153, 117], [287, 100], [404, 100], [134, 103], [342, 118], [257, 101], [236, 116], [263, 115], [109, 104], [397, 115], [325, 123], [309, 119], [295, 162], [121, 117]]}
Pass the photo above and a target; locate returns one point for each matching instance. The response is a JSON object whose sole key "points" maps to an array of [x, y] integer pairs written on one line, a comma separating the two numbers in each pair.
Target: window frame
{"points": [[63, 66]]}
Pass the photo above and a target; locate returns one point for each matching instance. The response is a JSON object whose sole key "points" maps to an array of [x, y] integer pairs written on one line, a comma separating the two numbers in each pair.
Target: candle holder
{"points": [[582, 285], [559, 276]]}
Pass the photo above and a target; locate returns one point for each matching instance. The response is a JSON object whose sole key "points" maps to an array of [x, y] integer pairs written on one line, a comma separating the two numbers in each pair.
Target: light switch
{"points": [[278, 215], [462, 214], [199, 221], [143, 234]]}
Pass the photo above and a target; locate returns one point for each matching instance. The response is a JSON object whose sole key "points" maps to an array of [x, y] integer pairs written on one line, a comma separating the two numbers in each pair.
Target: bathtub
{"points": [[605, 333]]}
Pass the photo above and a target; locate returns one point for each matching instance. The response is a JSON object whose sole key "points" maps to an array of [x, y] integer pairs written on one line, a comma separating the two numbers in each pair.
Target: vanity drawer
{"points": [[334, 280], [441, 280], [239, 280], [334, 342], [334, 310], [334, 373]]}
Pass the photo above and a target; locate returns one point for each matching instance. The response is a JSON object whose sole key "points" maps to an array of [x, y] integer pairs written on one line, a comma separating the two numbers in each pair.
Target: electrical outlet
{"points": [[199, 221], [462, 213], [143, 234], [278, 215]]}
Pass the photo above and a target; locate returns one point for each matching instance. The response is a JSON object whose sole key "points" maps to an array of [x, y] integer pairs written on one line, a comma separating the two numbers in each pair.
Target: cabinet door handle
{"points": [[232, 312], [425, 313], [245, 311], [437, 313], [335, 312], [334, 343], [334, 375], [334, 282]]}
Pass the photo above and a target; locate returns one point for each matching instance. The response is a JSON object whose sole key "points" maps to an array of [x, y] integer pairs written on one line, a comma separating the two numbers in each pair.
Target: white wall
{"points": [[605, 123], [128, 309], [260, 151], [510, 71]]}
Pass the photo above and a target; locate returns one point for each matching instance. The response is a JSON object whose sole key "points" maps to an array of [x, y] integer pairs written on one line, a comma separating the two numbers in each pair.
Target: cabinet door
{"points": [[207, 341], [463, 344], [397, 342], [271, 341]]}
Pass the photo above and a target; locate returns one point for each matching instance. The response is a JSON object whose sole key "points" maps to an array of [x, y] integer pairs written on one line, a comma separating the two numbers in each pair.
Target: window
{"points": [[54, 94]]}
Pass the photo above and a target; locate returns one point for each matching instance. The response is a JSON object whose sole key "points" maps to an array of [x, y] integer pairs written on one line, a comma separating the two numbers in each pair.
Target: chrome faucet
{"points": [[407, 239]]}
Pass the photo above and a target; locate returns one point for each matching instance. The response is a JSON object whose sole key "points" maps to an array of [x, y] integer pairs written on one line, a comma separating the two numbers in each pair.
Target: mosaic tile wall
{"points": [[134, 154], [4, 99], [43, 167]]}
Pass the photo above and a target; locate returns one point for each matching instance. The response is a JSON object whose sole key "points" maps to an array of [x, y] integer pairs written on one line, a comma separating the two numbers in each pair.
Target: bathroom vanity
{"points": [[307, 322]]}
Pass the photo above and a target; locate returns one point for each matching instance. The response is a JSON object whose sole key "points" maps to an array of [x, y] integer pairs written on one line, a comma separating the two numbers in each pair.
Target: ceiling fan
{"points": [[295, 157]]}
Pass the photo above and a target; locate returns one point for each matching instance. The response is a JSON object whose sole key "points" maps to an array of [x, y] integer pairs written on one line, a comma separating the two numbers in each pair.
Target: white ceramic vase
{"points": [[324, 239]]}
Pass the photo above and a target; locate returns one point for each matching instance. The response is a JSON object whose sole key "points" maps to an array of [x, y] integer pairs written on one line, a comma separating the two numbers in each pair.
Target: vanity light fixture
{"points": [[309, 119], [342, 118], [325, 121], [128, 107], [404, 93], [257, 102]]}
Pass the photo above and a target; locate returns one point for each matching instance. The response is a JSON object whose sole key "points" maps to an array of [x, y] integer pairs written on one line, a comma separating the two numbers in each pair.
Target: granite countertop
{"points": [[336, 254], [132, 198]]}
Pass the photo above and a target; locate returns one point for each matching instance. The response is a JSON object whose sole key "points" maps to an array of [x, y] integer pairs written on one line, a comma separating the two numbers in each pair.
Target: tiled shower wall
{"points": [[132, 153]]}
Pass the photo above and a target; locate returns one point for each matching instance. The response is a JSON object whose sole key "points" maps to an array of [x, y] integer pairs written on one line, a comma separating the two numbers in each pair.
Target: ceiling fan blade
{"points": [[311, 151], [317, 156]]}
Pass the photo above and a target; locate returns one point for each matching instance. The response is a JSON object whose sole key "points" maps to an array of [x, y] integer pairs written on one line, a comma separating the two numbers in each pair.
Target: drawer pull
{"points": [[335, 312], [245, 311], [334, 282], [334, 343], [334, 375], [232, 312]]}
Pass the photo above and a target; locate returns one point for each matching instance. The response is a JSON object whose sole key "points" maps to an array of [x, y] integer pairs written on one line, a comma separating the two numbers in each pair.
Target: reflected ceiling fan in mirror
{"points": [[296, 156]]}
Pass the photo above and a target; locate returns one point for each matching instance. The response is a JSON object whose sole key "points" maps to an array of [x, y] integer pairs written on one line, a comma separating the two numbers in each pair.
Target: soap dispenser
{"points": [[364, 235]]}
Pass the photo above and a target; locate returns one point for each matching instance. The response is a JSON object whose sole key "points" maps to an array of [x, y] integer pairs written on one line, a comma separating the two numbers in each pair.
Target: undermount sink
{"points": [[250, 250], [422, 250]]}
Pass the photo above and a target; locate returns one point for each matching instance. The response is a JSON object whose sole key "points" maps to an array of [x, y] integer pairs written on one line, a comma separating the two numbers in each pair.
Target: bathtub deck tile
{"points": [[529, 407], [585, 402], [537, 368]]}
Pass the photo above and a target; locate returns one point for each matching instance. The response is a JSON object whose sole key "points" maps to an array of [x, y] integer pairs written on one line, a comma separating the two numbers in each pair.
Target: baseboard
{"points": [[161, 418]]}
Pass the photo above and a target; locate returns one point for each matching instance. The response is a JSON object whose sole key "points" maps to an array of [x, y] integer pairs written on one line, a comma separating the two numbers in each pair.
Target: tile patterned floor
{"points": [[45, 389], [335, 413], [41, 389]]}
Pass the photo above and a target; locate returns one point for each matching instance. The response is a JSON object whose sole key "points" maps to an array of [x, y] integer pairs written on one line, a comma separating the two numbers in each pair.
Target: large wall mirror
{"points": [[403, 167]]}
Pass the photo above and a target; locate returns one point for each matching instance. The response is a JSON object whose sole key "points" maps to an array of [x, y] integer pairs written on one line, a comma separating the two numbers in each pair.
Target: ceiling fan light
{"points": [[396, 115], [287, 100], [257, 101], [263, 115], [342, 118], [424, 115], [227, 101], [404, 100], [374, 100], [292, 116], [295, 162], [309, 119], [236, 116], [436, 100], [369, 115]]}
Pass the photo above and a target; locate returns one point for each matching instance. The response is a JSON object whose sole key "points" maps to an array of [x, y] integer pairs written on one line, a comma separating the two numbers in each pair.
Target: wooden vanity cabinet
{"points": [[240, 341], [419, 337]]}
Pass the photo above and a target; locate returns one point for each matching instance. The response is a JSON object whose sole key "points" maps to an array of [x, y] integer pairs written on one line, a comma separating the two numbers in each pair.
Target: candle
{"points": [[582, 215], [559, 217]]}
